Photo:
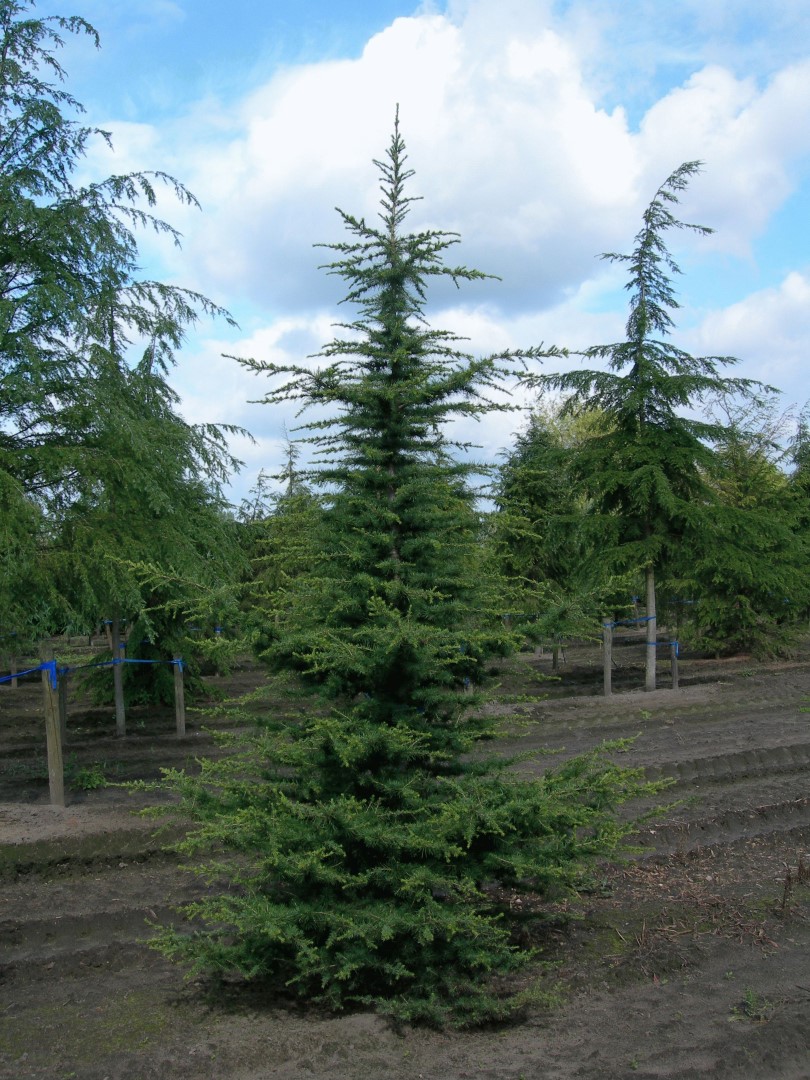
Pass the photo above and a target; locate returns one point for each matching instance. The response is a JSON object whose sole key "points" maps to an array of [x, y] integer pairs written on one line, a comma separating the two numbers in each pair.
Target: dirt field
{"points": [[693, 959]]}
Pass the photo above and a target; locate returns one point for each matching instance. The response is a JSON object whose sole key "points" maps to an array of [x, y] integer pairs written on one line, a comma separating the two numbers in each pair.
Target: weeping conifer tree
{"points": [[361, 845], [646, 473]]}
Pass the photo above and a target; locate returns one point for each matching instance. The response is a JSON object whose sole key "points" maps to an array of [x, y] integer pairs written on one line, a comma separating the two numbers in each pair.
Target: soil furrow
{"points": [[688, 961]]}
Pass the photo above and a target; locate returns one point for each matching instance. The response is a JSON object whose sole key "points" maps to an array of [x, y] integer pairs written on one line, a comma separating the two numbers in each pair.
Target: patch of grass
{"points": [[121, 1025], [25, 769]]}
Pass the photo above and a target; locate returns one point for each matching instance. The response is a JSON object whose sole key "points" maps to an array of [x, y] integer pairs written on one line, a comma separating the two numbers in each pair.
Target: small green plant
{"points": [[86, 777], [753, 1007]]}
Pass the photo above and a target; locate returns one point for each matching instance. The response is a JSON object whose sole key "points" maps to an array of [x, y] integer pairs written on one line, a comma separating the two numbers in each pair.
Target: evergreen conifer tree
{"points": [[646, 471], [93, 454], [361, 845]]}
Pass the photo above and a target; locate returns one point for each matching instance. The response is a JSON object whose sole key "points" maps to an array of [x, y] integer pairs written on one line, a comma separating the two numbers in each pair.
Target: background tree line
{"points": [[101, 479]]}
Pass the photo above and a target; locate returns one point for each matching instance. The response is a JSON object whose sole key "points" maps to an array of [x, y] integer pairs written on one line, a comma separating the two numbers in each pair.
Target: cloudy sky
{"points": [[538, 129]]}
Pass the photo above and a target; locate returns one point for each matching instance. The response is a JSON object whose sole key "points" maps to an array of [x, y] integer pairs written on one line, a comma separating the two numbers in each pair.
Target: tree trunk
{"points": [[118, 678], [652, 631], [607, 657]]}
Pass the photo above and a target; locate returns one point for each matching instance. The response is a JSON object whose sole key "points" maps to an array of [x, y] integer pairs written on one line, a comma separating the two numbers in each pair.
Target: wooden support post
{"points": [[53, 735], [63, 706], [607, 656], [673, 659], [13, 672], [118, 678], [179, 697], [555, 657]]}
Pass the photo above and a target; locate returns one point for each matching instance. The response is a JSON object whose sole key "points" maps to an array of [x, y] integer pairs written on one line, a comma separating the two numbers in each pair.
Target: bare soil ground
{"points": [[691, 959]]}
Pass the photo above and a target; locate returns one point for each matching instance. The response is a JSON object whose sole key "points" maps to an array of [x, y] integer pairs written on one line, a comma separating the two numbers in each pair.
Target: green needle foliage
{"points": [[749, 579], [646, 472], [543, 535], [96, 467], [363, 852]]}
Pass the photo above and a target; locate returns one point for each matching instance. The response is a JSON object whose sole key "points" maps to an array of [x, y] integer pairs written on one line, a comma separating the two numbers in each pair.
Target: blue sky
{"points": [[537, 129]]}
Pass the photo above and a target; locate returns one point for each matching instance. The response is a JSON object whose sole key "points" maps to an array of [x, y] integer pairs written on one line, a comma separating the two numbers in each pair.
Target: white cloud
{"points": [[769, 331], [503, 111], [754, 143], [510, 147]]}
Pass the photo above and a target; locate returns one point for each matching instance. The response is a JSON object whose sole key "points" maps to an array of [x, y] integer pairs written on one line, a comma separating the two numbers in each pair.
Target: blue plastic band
{"points": [[107, 663], [87, 667], [19, 675], [663, 645], [631, 622]]}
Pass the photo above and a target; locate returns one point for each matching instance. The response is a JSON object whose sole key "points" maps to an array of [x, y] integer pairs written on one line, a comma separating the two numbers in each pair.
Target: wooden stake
{"points": [[673, 660], [63, 707], [53, 735], [607, 656], [13, 671], [179, 697]]}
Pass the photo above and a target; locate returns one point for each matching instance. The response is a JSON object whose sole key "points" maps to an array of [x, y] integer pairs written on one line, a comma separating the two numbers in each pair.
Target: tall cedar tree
{"points": [[646, 471], [360, 845], [72, 308]]}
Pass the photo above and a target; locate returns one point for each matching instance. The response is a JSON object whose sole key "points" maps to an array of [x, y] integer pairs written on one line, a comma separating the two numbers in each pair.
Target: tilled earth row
{"points": [[690, 959]]}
